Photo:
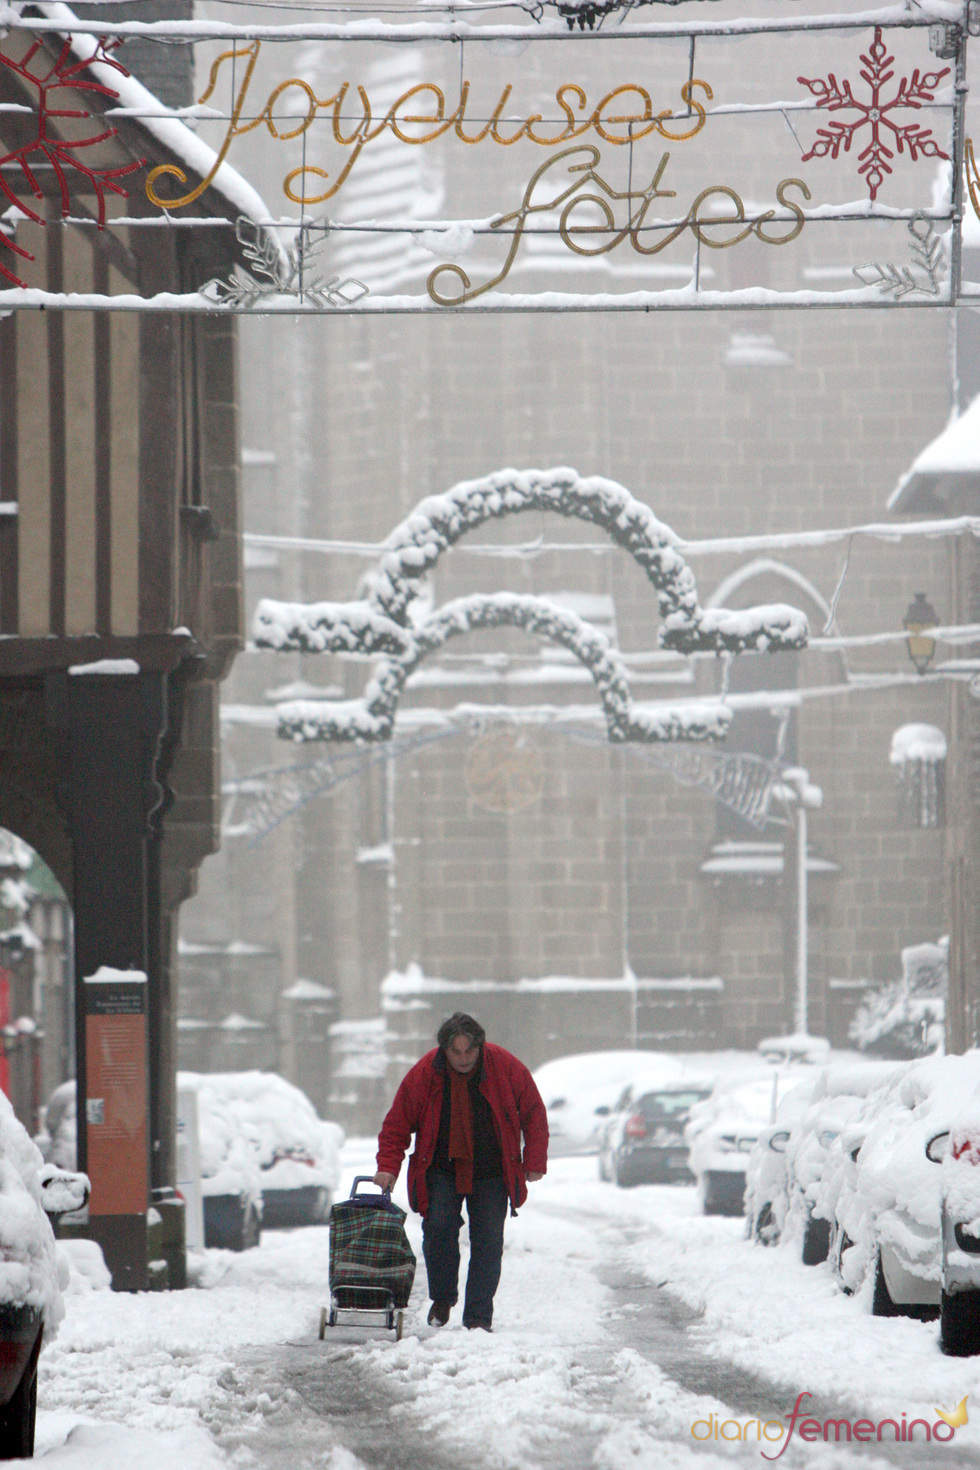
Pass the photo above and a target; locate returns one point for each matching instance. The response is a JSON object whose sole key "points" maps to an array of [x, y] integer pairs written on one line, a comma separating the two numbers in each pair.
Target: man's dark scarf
{"points": [[461, 1129]]}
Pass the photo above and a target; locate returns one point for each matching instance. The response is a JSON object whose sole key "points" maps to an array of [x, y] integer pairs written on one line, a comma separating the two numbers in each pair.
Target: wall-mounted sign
{"points": [[642, 173], [116, 1119]]}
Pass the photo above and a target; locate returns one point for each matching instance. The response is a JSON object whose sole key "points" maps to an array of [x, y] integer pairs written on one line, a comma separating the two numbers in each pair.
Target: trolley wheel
{"points": [[333, 1317], [399, 1324], [323, 1323]]}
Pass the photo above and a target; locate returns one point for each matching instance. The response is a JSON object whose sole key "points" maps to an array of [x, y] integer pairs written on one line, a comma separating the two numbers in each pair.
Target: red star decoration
{"points": [[62, 155]]}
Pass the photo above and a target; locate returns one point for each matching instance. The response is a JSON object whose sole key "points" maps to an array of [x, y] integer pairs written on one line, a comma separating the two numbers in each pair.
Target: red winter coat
{"points": [[514, 1102]]}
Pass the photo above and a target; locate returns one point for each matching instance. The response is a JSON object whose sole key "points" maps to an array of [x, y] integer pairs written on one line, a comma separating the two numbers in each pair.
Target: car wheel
{"points": [[883, 1306], [17, 1418], [251, 1229], [816, 1242], [624, 1179], [765, 1230], [959, 1319], [881, 1301]]}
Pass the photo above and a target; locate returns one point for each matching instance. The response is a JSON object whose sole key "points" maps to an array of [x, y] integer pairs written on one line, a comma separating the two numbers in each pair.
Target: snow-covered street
{"points": [[624, 1320]]}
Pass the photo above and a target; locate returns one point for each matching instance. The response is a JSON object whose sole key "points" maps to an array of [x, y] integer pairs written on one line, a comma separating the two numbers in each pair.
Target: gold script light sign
{"points": [[624, 116], [571, 99]]}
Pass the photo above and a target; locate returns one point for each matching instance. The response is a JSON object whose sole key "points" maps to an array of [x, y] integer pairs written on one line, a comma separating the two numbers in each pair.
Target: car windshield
{"points": [[669, 1104]]}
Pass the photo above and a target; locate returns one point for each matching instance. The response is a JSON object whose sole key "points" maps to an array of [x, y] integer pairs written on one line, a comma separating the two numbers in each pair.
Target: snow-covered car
{"points": [[722, 1131], [767, 1169], [884, 1182], [581, 1092], [57, 1138], [958, 1152], [644, 1143], [267, 1158], [786, 1166], [31, 1277]]}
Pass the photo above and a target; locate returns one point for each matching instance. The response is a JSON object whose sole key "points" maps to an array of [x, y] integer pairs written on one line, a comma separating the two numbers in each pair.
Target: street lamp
{"points": [[799, 793], [920, 617]]}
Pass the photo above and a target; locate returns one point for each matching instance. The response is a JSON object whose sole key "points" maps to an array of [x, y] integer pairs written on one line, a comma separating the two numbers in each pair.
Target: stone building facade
{"points": [[575, 894]]}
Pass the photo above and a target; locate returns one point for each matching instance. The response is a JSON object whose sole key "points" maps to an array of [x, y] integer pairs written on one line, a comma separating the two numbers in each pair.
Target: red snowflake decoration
{"points": [[62, 155], [912, 92]]}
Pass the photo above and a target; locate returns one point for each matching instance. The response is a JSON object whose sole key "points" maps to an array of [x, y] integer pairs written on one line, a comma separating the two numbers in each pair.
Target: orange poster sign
{"points": [[116, 1092]]}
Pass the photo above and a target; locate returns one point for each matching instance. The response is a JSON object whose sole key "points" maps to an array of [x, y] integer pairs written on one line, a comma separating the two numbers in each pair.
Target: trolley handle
{"points": [[384, 1197]]}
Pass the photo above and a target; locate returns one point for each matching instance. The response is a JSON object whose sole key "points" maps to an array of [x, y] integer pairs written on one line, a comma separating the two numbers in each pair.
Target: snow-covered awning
{"points": [[945, 478], [917, 743], [147, 127]]}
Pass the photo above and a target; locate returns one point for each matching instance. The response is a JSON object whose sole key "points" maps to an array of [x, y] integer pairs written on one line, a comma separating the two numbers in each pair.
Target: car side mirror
{"points": [[938, 1147], [778, 1142], [63, 1191], [603, 1110]]}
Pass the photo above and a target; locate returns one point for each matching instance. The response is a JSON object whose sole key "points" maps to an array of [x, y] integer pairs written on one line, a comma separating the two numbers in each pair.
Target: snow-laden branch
{"points": [[373, 717]]}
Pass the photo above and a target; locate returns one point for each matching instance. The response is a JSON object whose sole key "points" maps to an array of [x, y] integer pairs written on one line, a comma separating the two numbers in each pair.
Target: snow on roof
{"points": [[161, 121], [106, 975], [237, 1022], [413, 981], [106, 666], [950, 458], [308, 990], [957, 448]]}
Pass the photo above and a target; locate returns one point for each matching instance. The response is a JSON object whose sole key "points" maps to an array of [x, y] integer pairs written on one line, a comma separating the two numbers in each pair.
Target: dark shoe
{"points": [[439, 1313], [477, 1326]]}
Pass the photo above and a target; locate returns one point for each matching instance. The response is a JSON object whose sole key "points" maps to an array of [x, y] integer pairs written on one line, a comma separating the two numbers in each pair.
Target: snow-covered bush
{"points": [[906, 1018]]}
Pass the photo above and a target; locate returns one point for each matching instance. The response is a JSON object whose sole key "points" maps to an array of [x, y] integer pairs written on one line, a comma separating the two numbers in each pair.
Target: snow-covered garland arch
{"points": [[373, 717], [379, 623]]}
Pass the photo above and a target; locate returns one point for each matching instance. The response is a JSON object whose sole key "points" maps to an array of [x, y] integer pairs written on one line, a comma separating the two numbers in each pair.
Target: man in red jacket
{"points": [[467, 1102]]}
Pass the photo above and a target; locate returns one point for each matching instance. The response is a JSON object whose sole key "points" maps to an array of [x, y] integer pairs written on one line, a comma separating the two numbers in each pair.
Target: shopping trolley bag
{"points": [[372, 1265]]}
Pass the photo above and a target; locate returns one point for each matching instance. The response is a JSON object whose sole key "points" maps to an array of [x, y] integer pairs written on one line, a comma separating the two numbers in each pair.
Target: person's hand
{"points": [[386, 1181], [533, 1175]]}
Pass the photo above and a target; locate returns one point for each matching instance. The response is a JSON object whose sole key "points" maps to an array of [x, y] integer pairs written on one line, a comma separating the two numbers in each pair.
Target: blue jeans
{"points": [[487, 1211]]}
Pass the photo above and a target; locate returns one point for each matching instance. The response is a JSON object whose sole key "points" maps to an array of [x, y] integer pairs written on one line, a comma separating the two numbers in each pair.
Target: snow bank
{"points": [[112, 1447]]}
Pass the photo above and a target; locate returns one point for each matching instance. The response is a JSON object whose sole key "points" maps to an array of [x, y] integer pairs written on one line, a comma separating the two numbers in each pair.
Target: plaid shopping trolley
{"points": [[372, 1265]]}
